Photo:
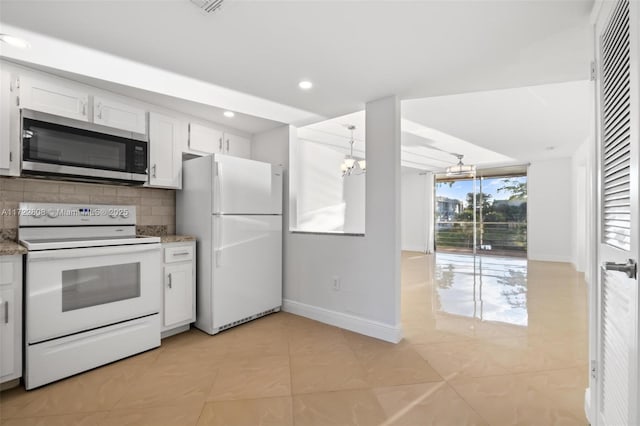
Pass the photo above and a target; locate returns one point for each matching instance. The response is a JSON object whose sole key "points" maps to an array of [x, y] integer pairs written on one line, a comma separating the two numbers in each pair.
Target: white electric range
{"points": [[92, 288]]}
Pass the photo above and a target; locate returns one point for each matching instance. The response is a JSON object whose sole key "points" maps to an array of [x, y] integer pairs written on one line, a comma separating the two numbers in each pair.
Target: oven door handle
{"points": [[47, 255]]}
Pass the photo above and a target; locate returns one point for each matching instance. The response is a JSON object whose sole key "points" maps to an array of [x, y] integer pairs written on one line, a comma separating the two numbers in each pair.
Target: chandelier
{"points": [[351, 166], [460, 168]]}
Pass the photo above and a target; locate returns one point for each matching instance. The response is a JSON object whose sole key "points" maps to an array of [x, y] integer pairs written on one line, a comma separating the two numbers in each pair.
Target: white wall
{"points": [[368, 267], [581, 209], [549, 210], [414, 210]]}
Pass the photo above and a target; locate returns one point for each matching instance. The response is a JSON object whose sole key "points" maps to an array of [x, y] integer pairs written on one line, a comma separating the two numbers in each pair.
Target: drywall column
{"points": [[366, 268], [549, 211]]}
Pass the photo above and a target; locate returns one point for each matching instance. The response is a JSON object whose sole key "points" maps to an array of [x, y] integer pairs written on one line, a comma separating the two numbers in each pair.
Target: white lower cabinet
{"points": [[179, 306], [10, 318]]}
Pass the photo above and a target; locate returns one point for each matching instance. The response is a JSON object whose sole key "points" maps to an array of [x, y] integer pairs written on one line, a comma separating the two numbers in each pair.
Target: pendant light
{"points": [[351, 166]]}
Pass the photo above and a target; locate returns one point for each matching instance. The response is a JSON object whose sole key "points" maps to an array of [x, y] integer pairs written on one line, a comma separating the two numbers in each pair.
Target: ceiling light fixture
{"points": [[15, 41], [351, 166], [460, 168], [305, 85], [229, 114]]}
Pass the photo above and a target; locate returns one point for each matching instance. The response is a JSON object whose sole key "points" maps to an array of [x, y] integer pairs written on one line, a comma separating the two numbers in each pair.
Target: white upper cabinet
{"points": [[54, 96], [165, 161], [113, 113], [237, 146], [208, 140], [9, 124], [205, 139]]}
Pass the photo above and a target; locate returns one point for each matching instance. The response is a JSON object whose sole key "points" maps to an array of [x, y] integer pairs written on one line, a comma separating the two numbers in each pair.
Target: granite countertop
{"points": [[176, 238], [11, 248]]}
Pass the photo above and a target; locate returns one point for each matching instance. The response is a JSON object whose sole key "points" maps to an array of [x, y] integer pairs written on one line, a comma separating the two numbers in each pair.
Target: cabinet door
{"points": [[112, 113], [164, 142], [205, 139], [237, 145], [54, 97], [7, 331], [178, 294], [7, 104]]}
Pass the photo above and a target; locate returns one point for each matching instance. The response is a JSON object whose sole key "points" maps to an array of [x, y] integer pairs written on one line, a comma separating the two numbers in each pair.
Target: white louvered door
{"points": [[618, 142]]}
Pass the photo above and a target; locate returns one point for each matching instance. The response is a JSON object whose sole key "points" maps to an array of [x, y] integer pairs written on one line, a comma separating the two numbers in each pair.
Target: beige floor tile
{"points": [[253, 377], [327, 371], [12, 400], [396, 366], [253, 412], [344, 408], [180, 415], [517, 400], [461, 359], [258, 337], [425, 404], [315, 339], [86, 419], [96, 390], [538, 352], [169, 385]]}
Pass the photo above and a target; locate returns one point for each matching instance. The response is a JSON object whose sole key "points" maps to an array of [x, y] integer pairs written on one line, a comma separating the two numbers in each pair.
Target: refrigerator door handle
{"points": [[218, 199], [219, 246]]}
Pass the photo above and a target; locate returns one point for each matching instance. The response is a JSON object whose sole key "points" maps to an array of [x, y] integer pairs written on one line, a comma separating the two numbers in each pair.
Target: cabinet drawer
{"points": [[178, 254], [6, 273]]}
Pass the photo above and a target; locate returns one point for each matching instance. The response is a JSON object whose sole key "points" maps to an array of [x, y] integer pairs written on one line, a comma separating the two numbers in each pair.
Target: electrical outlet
{"points": [[336, 283]]}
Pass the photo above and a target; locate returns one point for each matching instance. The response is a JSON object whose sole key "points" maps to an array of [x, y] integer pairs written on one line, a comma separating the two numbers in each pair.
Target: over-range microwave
{"points": [[63, 148]]}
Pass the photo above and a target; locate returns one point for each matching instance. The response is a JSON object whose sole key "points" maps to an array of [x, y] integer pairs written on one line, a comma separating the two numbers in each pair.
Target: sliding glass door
{"points": [[485, 214]]}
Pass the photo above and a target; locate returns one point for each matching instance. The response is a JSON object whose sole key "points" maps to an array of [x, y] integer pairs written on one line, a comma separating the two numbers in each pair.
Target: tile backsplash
{"points": [[155, 208]]}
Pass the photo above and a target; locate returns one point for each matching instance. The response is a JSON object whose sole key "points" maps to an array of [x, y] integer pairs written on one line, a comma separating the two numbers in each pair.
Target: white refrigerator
{"points": [[233, 206]]}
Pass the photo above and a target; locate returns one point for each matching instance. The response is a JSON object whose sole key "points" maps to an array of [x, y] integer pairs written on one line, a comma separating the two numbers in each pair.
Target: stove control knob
{"points": [[52, 213]]}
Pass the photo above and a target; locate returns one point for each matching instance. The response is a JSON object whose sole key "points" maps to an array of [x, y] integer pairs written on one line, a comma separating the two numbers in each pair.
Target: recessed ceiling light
{"points": [[229, 114], [14, 41], [305, 85]]}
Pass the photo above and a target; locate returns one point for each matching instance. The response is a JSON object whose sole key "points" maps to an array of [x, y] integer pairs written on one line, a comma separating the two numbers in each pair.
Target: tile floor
{"points": [[493, 341]]}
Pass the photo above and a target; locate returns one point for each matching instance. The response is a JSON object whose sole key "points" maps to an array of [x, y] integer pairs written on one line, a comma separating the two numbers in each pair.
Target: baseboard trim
{"points": [[548, 258], [587, 406], [347, 321], [414, 248]]}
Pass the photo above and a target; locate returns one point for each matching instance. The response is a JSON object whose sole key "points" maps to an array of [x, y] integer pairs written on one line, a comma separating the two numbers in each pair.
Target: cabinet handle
{"points": [[220, 145], [6, 312], [227, 145], [170, 281], [100, 111], [84, 108], [182, 253], [153, 171]]}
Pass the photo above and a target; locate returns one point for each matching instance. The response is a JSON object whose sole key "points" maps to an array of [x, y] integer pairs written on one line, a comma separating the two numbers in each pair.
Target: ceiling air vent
{"points": [[208, 6]]}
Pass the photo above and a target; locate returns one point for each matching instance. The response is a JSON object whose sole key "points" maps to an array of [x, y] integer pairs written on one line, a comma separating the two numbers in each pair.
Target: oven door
{"points": [[74, 290]]}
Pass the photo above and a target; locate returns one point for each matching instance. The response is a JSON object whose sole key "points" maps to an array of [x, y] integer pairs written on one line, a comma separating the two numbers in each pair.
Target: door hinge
{"points": [[593, 72], [594, 370]]}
